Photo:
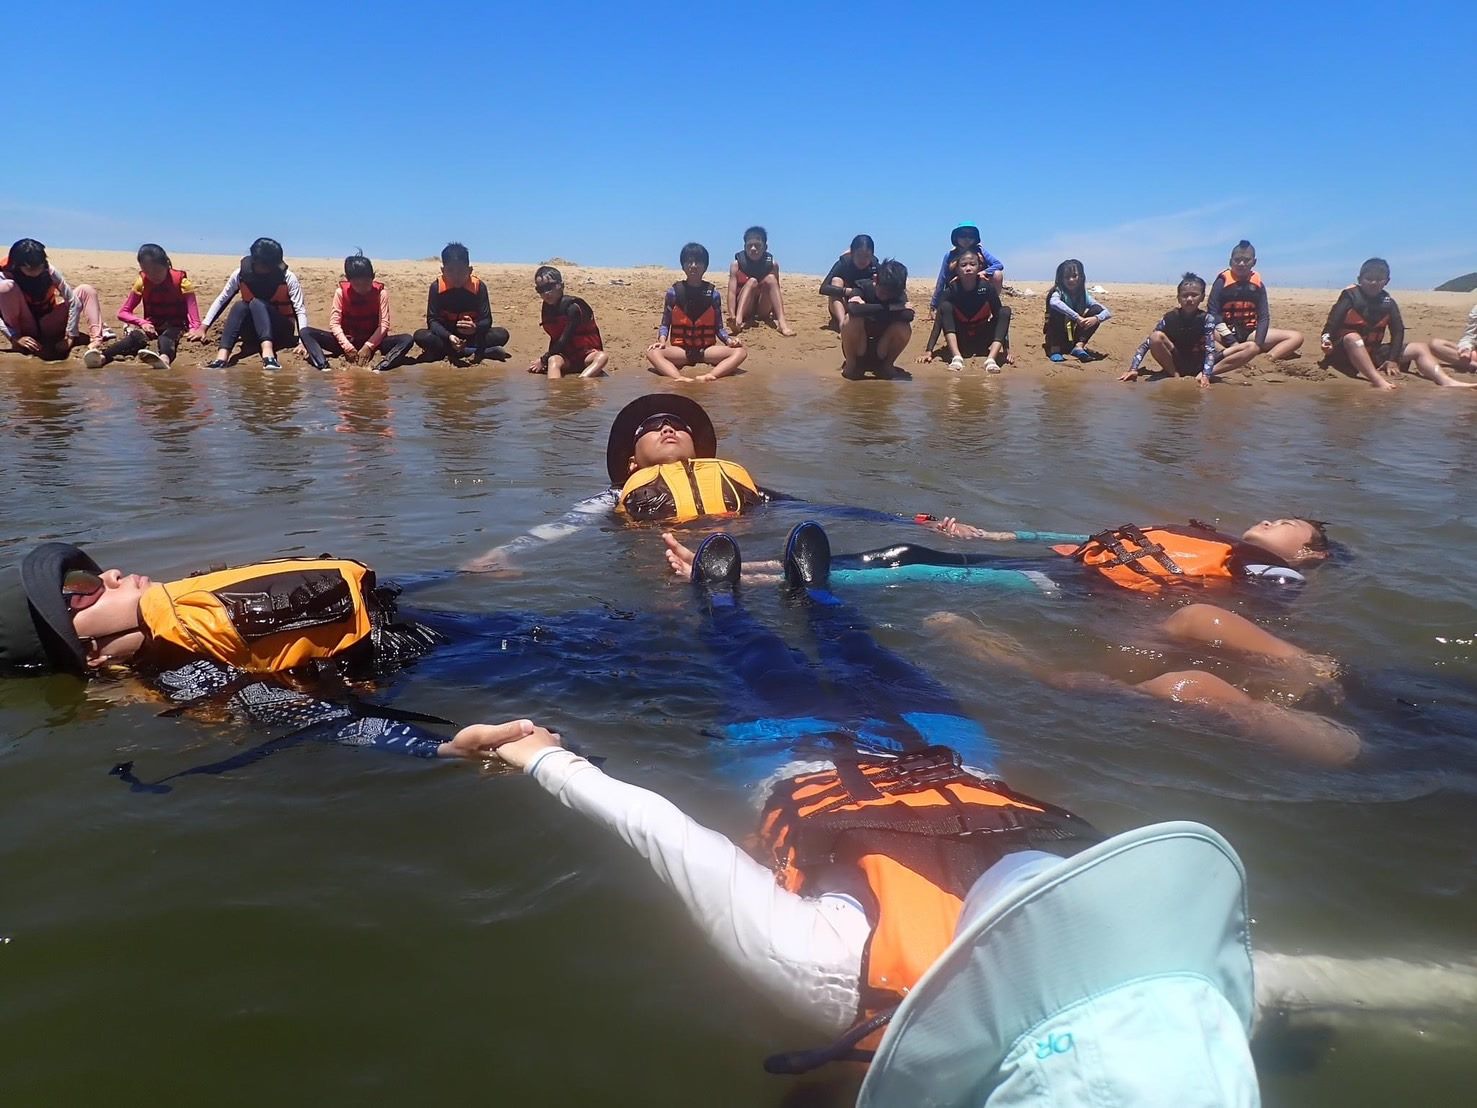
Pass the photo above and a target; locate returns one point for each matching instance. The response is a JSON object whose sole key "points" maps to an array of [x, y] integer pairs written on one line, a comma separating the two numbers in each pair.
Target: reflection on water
{"points": [[298, 896]]}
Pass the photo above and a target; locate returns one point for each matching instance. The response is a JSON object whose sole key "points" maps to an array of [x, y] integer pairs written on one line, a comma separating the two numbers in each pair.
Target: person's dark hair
{"points": [[751, 232], [546, 273], [859, 241], [1077, 300], [267, 252], [969, 252], [1376, 265], [964, 230], [454, 253], [1243, 247], [1190, 279], [892, 274], [357, 265], [27, 252], [151, 253], [1319, 542], [693, 251]]}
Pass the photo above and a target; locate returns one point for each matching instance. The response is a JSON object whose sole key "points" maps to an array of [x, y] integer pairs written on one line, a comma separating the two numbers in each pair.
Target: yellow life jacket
{"points": [[681, 491], [266, 617]]}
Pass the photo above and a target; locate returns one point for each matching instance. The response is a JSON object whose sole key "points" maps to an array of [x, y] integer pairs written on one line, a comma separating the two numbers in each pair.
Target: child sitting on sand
{"points": [[754, 284], [272, 313], [857, 263], [1241, 317], [1429, 357], [1183, 342], [1072, 315], [159, 310], [459, 315], [692, 331], [1354, 336], [970, 314], [966, 237], [879, 322], [359, 323], [575, 346], [39, 311]]}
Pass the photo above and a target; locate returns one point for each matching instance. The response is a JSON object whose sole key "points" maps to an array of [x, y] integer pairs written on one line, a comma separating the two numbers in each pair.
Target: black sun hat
{"points": [[35, 624], [622, 445]]}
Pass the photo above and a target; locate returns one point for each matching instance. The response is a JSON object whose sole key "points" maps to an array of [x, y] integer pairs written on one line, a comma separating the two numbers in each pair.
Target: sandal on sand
{"points": [[992, 366], [956, 363], [1058, 357]]}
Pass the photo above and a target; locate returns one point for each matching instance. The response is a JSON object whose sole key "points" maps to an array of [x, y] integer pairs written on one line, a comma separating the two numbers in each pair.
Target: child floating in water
{"points": [[39, 311], [1354, 336], [1183, 342], [973, 320], [359, 324], [1072, 315], [754, 285], [575, 346], [169, 312], [1241, 317], [692, 331], [272, 313]]}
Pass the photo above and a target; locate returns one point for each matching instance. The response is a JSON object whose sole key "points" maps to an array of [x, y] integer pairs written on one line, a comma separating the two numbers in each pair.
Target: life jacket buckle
{"points": [[931, 766]]}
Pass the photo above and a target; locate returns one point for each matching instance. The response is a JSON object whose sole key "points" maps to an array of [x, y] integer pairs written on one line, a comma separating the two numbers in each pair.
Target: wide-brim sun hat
{"points": [[35, 623], [621, 446], [1119, 976], [974, 233]]}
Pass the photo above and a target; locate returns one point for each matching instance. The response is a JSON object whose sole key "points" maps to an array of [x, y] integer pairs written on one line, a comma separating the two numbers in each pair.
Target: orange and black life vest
{"points": [[970, 324], [681, 491], [359, 316], [1240, 306], [43, 293], [449, 316], [1151, 558], [266, 617], [918, 830], [688, 331], [272, 288], [556, 319], [165, 303], [1368, 321]]}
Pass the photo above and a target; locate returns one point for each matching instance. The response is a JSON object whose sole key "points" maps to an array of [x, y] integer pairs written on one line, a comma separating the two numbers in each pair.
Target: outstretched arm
{"points": [[582, 515]]}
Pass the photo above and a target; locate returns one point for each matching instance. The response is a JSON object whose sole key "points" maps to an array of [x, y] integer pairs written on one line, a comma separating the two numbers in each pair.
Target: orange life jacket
{"points": [[920, 830], [1150, 558], [359, 316], [446, 315], [682, 491], [281, 298], [689, 332], [969, 325], [47, 302], [555, 320], [1372, 331], [164, 303], [266, 617], [1238, 310]]}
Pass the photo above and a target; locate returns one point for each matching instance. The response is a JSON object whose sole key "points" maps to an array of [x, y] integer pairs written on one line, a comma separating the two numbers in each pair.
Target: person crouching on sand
{"points": [[39, 312], [879, 323]]}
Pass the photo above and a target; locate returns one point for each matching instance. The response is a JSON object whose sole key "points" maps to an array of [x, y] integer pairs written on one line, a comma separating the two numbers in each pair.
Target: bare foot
{"points": [[787, 330]]}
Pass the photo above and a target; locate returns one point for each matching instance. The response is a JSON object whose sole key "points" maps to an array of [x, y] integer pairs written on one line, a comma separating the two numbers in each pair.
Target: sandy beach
{"points": [[627, 304]]}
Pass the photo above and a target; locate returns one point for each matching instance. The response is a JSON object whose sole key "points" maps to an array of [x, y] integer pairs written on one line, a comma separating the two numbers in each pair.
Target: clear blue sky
{"points": [[1143, 138]]}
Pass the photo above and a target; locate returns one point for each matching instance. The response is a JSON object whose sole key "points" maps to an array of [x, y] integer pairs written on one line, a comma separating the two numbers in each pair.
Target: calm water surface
{"points": [[336, 926]]}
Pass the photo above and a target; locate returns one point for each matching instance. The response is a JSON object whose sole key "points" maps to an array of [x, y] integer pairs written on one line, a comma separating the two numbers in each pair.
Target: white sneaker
{"points": [[992, 366], [956, 363], [153, 359], [94, 359]]}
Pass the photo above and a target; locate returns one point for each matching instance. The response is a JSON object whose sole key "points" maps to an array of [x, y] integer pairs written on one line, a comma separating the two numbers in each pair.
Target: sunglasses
{"points": [[660, 420], [81, 589]]}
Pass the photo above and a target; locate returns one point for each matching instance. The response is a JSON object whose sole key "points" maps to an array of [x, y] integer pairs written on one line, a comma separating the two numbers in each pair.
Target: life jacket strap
{"points": [[842, 1050]]}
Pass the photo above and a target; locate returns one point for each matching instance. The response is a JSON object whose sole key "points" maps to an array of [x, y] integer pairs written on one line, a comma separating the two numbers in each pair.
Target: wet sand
{"points": [[627, 304]]}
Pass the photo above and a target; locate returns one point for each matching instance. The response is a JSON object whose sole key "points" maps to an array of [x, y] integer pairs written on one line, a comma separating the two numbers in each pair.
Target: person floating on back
{"points": [[1240, 315], [272, 313], [1354, 337], [966, 237], [692, 331], [856, 264], [459, 316], [754, 285], [575, 346], [39, 312], [1183, 341], [159, 310], [359, 324], [970, 314], [1429, 357], [879, 323], [1072, 315]]}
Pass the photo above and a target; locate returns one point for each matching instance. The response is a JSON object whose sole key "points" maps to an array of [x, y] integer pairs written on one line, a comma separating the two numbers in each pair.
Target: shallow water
{"points": [[338, 925]]}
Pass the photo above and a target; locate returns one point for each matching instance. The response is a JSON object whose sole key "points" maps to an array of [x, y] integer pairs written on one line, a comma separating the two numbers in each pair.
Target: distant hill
{"points": [[1459, 284]]}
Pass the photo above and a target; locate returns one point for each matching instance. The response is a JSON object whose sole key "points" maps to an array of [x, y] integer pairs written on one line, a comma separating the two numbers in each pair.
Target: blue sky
{"points": [[1142, 140]]}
